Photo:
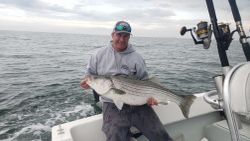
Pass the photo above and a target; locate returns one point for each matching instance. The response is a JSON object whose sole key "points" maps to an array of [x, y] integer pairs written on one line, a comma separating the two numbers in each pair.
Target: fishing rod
{"points": [[221, 33], [239, 28]]}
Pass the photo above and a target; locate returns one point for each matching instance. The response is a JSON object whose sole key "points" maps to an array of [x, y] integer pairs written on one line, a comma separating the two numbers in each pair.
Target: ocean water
{"points": [[40, 75]]}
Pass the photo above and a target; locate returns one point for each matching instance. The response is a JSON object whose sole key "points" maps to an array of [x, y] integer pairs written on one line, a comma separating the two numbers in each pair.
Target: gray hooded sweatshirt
{"points": [[107, 61]]}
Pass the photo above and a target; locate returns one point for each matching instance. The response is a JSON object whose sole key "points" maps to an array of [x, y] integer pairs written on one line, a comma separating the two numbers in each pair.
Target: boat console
{"points": [[235, 102]]}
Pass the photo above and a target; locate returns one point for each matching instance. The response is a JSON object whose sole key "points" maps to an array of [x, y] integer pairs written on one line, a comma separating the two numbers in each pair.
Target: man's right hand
{"points": [[152, 101], [84, 85]]}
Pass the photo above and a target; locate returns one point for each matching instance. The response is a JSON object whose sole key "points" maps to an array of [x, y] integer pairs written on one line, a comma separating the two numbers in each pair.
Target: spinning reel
{"points": [[204, 34]]}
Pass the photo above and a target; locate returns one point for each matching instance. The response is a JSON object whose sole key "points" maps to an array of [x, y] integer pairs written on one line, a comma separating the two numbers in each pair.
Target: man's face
{"points": [[120, 41]]}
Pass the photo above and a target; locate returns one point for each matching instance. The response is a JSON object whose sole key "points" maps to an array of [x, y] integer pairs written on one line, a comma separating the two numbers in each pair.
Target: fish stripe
{"points": [[140, 89]]}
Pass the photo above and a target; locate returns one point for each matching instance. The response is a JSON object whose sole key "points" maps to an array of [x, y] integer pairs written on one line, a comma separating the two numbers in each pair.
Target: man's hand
{"points": [[84, 85], [152, 101]]}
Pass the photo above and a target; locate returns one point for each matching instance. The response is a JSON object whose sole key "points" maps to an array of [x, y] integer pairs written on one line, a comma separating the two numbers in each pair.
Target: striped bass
{"points": [[122, 89]]}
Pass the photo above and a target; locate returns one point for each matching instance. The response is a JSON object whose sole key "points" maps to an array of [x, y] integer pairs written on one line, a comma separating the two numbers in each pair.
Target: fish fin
{"points": [[118, 91], [186, 104], [118, 104], [154, 79]]}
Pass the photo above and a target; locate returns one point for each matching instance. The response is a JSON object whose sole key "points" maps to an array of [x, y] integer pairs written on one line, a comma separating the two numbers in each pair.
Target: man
{"points": [[119, 57]]}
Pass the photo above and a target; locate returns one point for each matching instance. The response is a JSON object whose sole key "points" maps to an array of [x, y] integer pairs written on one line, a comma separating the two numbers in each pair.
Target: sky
{"points": [[148, 18]]}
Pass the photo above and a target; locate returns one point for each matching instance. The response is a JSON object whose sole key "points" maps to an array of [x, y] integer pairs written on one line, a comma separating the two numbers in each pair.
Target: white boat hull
{"points": [[89, 129]]}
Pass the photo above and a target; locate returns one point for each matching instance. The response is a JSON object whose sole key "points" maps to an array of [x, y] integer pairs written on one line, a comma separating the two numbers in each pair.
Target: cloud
{"points": [[143, 15], [89, 10], [30, 5], [147, 15], [35, 7]]}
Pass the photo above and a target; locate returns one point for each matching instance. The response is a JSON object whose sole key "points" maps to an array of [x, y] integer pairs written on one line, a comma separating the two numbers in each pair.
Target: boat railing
{"points": [[212, 98]]}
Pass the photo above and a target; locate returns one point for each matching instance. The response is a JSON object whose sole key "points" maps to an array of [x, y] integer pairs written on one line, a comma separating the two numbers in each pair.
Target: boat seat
{"points": [[239, 89]]}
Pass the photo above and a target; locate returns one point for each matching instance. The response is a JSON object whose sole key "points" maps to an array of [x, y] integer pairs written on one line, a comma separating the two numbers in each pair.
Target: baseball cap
{"points": [[122, 27]]}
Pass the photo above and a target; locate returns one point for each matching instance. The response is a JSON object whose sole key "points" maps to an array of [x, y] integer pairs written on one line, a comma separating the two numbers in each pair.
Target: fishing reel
{"points": [[226, 35], [203, 33]]}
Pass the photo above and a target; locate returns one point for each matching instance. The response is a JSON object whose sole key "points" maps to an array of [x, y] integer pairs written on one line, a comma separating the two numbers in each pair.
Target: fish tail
{"points": [[186, 104]]}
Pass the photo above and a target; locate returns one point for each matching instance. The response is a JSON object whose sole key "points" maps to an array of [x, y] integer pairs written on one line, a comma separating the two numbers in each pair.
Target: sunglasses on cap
{"points": [[123, 27]]}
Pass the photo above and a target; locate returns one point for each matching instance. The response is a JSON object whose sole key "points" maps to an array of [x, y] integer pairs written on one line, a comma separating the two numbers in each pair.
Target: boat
{"points": [[222, 114]]}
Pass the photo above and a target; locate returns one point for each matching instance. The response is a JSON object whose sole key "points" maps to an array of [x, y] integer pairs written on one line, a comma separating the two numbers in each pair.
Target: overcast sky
{"points": [[151, 18]]}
